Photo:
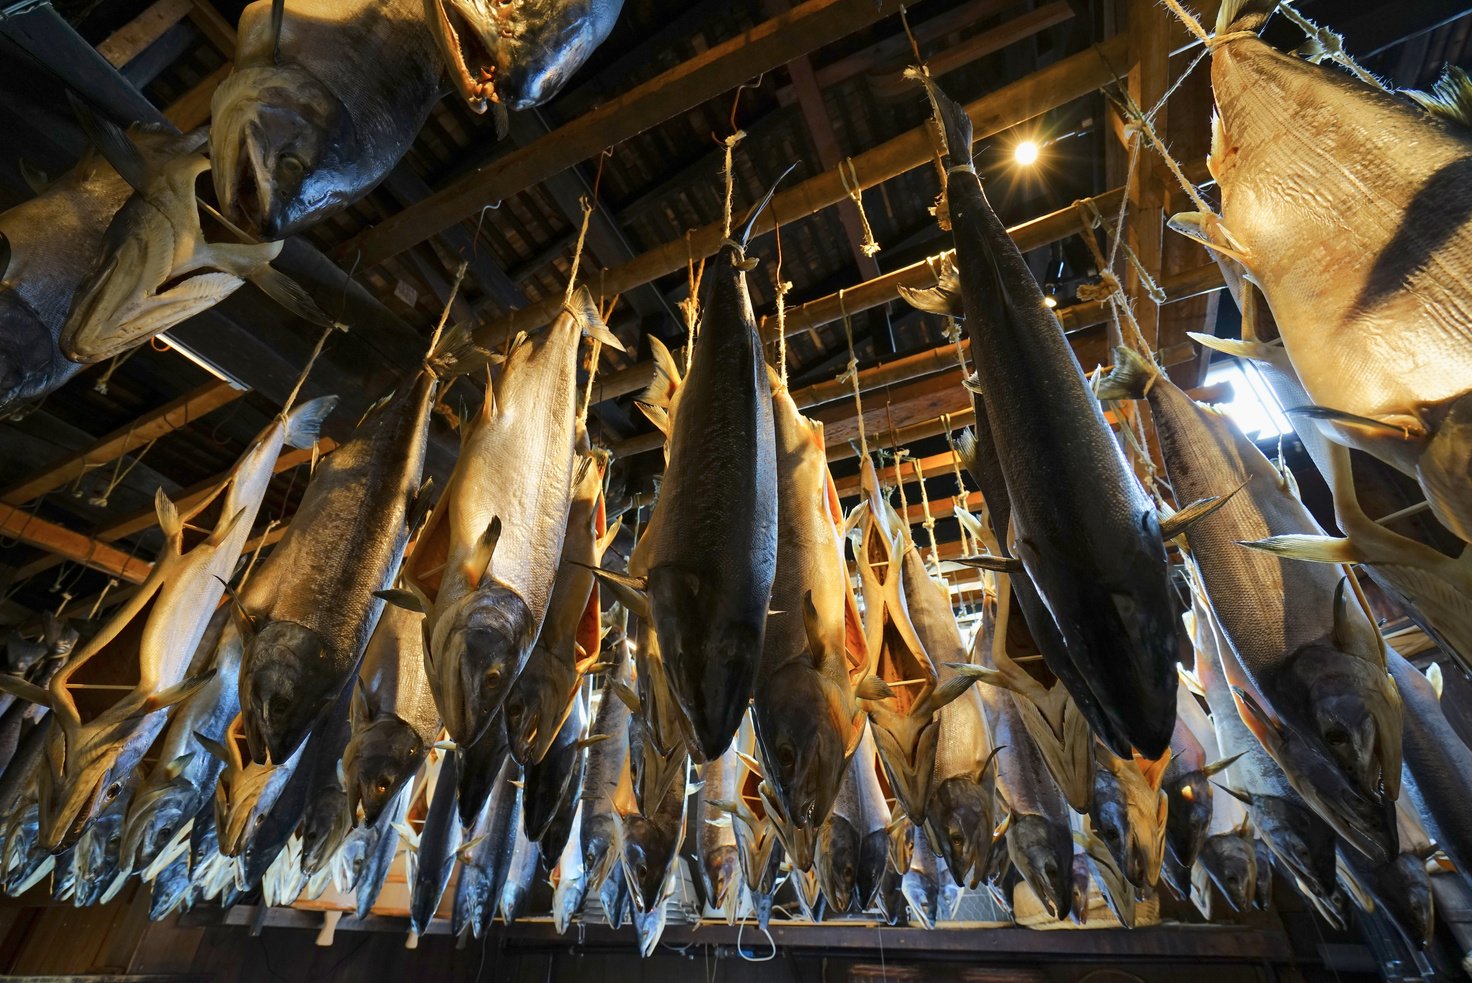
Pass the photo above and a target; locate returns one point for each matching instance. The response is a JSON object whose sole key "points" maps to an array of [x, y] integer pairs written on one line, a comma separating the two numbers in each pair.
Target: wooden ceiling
{"points": [[817, 84]]}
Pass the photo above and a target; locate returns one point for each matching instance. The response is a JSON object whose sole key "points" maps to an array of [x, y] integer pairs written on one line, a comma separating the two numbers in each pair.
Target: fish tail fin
{"points": [[965, 447], [1450, 97], [584, 310], [1243, 15], [1256, 350], [291, 295], [944, 298], [761, 206], [955, 124], [304, 425], [169, 519], [456, 353], [658, 399], [1130, 378]]}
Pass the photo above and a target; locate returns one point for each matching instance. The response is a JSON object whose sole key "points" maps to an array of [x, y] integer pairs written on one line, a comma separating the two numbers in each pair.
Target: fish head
{"points": [[377, 763], [873, 862], [922, 893], [1405, 889], [1262, 896], [72, 801], [1230, 860], [722, 870], [837, 862], [890, 898], [802, 745], [324, 826], [284, 149], [1341, 712], [356, 848], [647, 849], [484, 641], [1079, 910], [959, 819], [282, 689], [245, 810], [536, 706], [95, 859], [1443, 468], [157, 815], [599, 836], [1110, 816], [613, 895], [712, 653], [1035, 853], [519, 53], [27, 349], [1298, 841], [1189, 815], [568, 900]]}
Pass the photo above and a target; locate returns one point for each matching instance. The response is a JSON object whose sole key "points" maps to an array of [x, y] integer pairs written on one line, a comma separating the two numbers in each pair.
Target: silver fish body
{"points": [[479, 771], [298, 139], [572, 879], [557, 780], [649, 845], [961, 814], [605, 764], [521, 876], [921, 884], [377, 860], [715, 837], [438, 842], [97, 855], [1437, 758]]}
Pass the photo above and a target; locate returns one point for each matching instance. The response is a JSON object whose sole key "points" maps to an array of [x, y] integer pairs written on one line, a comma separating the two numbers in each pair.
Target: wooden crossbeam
{"points": [[1046, 89], [74, 546], [719, 69], [193, 107], [134, 37], [178, 413]]}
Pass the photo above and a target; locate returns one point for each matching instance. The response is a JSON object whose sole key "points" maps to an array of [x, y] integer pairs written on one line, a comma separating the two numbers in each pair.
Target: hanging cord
{"points": [[899, 454], [968, 549], [312, 360], [929, 519], [853, 373], [730, 144], [119, 473], [854, 190], [100, 385], [690, 306], [593, 357], [439, 328], [97, 605], [1194, 26], [782, 287], [577, 252]]}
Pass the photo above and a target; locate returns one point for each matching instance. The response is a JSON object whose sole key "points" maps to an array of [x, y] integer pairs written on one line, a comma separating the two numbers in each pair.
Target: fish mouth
{"points": [[461, 44]]}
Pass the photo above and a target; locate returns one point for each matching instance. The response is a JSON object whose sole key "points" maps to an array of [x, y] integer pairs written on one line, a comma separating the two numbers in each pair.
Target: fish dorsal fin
{"points": [[176, 767], [1434, 677]]}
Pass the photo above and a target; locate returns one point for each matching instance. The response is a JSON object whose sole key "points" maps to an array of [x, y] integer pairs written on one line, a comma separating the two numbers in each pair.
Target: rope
{"points": [[434, 339], [929, 519], [119, 473], [782, 287], [730, 144], [593, 366], [690, 306], [960, 499], [1194, 26], [853, 372], [577, 252], [854, 190], [101, 385], [111, 583], [312, 358]]}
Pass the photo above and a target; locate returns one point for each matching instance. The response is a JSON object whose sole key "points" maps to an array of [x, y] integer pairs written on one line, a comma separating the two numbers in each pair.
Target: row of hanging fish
{"points": [[793, 730], [323, 100]]}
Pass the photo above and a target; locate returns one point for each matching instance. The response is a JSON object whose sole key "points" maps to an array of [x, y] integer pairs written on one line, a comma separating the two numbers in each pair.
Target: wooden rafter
{"points": [[35, 531]]}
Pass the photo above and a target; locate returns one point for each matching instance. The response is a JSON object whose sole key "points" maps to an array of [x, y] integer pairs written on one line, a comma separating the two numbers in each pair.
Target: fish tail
{"points": [[304, 425], [584, 310], [456, 353], [760, 206], [1243, 15], [944, 298], [1450, 97], [1130, 378], [965, 445], [955, 124], [658, 399], [290, 295]]}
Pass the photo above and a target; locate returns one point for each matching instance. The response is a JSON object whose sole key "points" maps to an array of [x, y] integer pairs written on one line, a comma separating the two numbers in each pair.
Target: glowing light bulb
{"points": [[1050, 301], [1026, 153]]}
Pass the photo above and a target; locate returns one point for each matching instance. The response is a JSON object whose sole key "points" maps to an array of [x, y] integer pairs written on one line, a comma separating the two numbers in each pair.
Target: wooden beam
{"points": [[74, 546], [1054, 86], [175, 414], [216, 29], [134, 37], [716, 70], [193, 107]]}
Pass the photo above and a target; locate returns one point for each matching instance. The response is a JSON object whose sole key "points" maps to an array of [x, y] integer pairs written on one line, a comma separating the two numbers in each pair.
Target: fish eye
{"points": [[785, 758], [260, 819], [113, 791], [413, 752], [292, 163], [493, 677], [381, 788], [1111, 834], [1336, 736]]}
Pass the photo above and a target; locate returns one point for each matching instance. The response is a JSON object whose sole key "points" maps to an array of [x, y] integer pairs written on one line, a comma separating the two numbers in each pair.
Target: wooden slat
{"points": [[178, 413], [193, 107], [134, 37], [714, 71], [219, 31], [1049, 88], [34, 531]]}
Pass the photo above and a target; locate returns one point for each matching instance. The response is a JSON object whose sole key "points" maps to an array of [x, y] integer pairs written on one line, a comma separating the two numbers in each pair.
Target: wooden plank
{"points": [[716, 70], [74, 546], [134, 37], [178, 413], [215, 28], [1054, 86], [192, 109]]}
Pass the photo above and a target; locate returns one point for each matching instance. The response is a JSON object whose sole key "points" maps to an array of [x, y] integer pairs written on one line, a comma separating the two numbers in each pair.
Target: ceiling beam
{"points": [[714, 71], [1054, 86], [134, 37], [35, 531], [176, 413]]}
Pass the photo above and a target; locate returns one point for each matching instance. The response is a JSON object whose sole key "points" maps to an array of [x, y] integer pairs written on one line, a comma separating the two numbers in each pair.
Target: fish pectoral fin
{"points": [[217, 749], [409, 600], [589, 741], [25, 689], [873, 688], [1174, 525], [1315, 549], [601, 544], [1209, 230], [817, 645], [290, 295], [1435, 678], [1241, 797], [630, 591], [751, 763], [1255, 350], [478, 567], [175, 694], [112, 142], [420, 505], [947, 691], [1362, 426], [625, 695], [994, 562], [176, 767], [1216, 767]]}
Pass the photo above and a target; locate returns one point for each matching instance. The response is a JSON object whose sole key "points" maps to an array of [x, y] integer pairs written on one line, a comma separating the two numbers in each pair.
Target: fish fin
{"points": [[873, 688], [25, 690], [406, 599], [992, 561], [625, 695], [1364, 426], [112, 142], [1243, 15], [630, 591], [589, 741], [1450, 96], [1267, 730], [1002, 827], [176, 767], [751, 763], [984, 674], [246, 618], [602, 543], [1316, 549], [584, 310], [478, 567], [1435, 678], [944, 298], [657, 402], [1174, 525], [955, 124], [168, 516], [216, 748], [1208, 230], [278, 16], [1131, 377], [1241, 797], [1153, 769], [175, 694], [420, 505], [457, 353], [1216, 767], [817, 646], [290, 295], [948, 690], [964, 445], [986, 765], [759, 207], [35, 179], [304, 424], [1231, 346]]}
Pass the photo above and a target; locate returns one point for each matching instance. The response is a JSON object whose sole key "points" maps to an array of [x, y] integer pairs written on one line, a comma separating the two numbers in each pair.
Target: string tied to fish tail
{"points": [[1194, 26], [577, 251], [100, 386], [307, 369], [690, 306], [593, 356], [439, 328], [852, 372], [929, 519], [959, 502], [782, 286], [851, 186], [728, 170], [102, 596]]}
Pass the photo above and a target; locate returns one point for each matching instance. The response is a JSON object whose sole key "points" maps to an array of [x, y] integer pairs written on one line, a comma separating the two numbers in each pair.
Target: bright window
{"points": [[1253, 407]]}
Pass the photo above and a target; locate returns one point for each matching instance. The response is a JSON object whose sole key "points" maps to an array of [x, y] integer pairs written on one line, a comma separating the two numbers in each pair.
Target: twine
{"points": [[1331, 42], [730, 144], [690, 306], [577, 252], [854, 190], [929, 519], [853, 372]]}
